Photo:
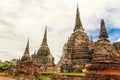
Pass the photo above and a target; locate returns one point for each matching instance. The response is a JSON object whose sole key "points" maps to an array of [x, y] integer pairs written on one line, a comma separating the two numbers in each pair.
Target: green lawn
{"points": [[64, 74], [73, 74], [45, 78]]}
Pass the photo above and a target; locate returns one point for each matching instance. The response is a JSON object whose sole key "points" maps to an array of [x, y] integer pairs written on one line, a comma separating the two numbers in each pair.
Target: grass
{"points": [[45, 78], [46, 73], [64, 74], [2, 74], [73, 74]]}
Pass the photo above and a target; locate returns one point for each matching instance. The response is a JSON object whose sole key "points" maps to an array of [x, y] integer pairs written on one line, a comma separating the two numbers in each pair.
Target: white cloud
{"points": [[20, 19], [118, 40]]}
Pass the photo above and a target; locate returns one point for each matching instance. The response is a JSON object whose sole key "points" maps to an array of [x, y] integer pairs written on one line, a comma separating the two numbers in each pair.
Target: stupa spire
{"points": [[103, 32], [27, 48], [44, 42], [26, 55], [78, 23]]}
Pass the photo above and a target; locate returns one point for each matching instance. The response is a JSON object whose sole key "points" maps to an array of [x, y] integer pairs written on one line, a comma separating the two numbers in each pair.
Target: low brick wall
{"points": [[101, 77], [66, 78], [87, 77]]}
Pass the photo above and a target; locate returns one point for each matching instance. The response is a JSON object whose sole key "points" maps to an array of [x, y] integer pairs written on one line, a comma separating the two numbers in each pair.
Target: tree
{"points": [[14, 61]]}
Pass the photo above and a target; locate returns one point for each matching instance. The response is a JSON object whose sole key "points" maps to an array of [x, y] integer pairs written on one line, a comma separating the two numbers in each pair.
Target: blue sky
{"points": [[20, 19]]}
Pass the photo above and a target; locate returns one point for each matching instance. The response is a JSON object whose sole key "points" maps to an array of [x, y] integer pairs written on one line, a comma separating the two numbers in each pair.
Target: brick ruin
{"points": [[77, 50], [80, 51], [29, 66], [80, 54]]}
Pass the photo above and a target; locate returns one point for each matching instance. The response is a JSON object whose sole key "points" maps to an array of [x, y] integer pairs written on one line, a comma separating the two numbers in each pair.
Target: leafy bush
{"points": [[4, 65]]}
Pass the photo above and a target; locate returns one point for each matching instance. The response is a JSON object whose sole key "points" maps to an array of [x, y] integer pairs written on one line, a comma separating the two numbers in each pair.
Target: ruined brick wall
{"points": [[101, 77]]}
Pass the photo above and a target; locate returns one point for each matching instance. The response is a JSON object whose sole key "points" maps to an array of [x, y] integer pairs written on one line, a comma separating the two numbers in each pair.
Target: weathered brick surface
{"points": [[101, 77]]}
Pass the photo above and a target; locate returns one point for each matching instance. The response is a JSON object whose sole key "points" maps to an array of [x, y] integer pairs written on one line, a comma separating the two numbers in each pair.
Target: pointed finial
{"points": [[77, 5], [78, 23], [44, 42], [103, 32], [28, 42], [91, 38], [27, 47], [26, 55]]}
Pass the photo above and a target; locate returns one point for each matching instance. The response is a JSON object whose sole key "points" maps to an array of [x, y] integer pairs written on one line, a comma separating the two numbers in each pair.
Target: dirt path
{"points": [[6, 78]]}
